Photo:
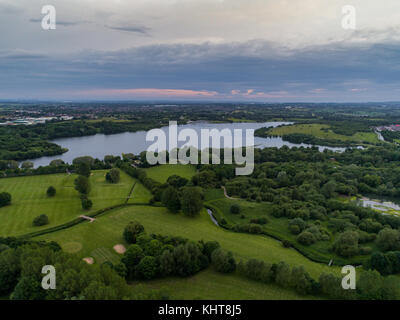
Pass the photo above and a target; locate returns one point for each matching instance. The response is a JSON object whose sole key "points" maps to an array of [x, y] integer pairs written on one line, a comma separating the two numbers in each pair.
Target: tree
{"points": [[346, 244], [369, 285], [223, 261], [28, 288], [85, 159], [191, 201], [51, 191], [147, 268], [82, 185], [41, 220], [5, 199], [301, 280], [131, 259], [388, 240], [283, 274], [380, 262], [83, 169], [56, 163], [87, 204], [9, 271], [113, 175], [177, 181], [209, 248], [132, 230], [167, 263], [170, 199], [328, 189], [235, 209], [27, 165]]}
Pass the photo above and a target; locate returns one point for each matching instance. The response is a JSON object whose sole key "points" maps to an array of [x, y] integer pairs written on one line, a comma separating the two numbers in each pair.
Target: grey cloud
{"points": [[61, 22], [136, 29], [10, 8]]}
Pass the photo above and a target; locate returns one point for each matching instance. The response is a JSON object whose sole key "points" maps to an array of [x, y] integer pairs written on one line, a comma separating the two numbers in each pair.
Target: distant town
{"points": [[392, 127], [32, 121]]}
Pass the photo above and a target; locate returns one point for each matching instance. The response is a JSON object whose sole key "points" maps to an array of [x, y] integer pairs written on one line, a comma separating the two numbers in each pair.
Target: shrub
{"points": [[5, 199], [235, 209], [306, 238], [51, 191], [41, 220], [259, 221], [286, 243]]}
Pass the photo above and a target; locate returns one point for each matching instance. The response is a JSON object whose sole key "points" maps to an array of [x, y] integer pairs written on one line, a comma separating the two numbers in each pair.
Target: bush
{"points": [[223, 261], [235, 209], [286, 243], [5, 199], [132, 230], [306, 238], [41, 220], [51, 191]]}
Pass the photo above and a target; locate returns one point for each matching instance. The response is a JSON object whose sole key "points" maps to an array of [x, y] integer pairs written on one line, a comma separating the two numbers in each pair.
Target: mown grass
{"points": [[140, 194], [163, 172], [107, 230], [29, 199], [211, 285], [322, 131]]}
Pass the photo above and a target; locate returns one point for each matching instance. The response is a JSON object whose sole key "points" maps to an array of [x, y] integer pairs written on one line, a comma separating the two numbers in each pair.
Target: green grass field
{"points": [[212, 285], [29, 199], [107, 230], [322, 131], [163, 172]]}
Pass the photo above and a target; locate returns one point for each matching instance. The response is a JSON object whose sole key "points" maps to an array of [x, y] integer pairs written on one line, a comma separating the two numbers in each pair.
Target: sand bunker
{"points": [[119, 248], [88, 260]]}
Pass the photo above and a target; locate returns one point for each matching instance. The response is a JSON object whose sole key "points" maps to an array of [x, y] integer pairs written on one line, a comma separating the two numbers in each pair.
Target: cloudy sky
{"points": [[220, 50]]}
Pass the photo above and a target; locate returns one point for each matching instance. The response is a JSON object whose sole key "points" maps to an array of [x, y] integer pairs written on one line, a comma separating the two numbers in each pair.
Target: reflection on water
{"points": [[100, 145]]}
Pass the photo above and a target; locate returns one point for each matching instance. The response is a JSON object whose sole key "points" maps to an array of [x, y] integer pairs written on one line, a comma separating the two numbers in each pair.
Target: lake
{"points": [[100, 145]]}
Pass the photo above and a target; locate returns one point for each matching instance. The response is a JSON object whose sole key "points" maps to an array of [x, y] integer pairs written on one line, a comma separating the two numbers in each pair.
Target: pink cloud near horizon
{"points": [[149, 93]]}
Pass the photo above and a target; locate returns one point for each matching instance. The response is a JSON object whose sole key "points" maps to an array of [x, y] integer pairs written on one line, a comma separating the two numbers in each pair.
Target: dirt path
{"points": [[226, 195]]}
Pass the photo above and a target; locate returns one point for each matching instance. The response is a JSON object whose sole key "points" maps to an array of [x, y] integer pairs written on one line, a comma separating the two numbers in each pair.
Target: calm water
{"points": [[100, 145]]}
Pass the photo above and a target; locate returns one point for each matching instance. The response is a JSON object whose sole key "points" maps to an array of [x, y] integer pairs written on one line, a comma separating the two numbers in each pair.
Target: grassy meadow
{"points": [[211, 285], [163, 172], [29, 199], [322, 131], [97, 238]]}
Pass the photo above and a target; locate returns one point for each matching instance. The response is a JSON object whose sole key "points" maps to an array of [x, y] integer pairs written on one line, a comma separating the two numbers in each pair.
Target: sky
{"points": [[202, 50]]}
